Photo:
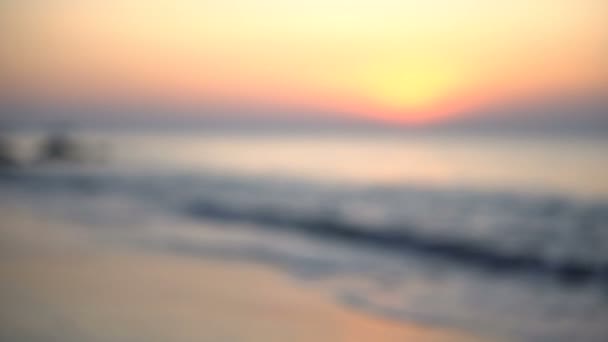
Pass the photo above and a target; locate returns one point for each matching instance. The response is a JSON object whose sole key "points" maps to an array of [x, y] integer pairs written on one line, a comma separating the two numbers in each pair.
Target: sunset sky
{"points": [[401, 61]]}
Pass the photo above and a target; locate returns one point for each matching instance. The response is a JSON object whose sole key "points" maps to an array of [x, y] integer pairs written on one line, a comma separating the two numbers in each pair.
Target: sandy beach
{"points": [[67, 289]]}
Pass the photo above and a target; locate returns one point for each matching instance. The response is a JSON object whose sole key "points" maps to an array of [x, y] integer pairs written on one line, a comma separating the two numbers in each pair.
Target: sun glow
{"points": [[406, 91], [410, 61]]}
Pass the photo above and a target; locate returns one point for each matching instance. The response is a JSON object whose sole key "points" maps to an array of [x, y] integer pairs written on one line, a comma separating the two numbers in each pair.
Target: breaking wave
{"points": [[552, 236]]}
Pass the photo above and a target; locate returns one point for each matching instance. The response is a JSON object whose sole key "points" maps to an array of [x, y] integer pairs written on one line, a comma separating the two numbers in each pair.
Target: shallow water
{"points": [[505, 236]]}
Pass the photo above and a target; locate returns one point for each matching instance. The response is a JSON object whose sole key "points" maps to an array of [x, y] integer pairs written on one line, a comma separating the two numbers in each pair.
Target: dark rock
{"points": [[59, 148], [7, 154]]}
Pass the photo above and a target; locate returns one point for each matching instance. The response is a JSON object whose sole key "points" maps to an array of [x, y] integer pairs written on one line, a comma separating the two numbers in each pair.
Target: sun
{"points": [[411, 94]]}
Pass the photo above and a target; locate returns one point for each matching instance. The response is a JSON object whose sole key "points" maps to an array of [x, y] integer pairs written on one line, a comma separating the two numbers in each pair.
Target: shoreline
{"points": [[69, 289]]}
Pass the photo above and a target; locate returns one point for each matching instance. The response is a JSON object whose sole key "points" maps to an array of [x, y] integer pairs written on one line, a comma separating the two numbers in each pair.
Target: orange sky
{"points": [[409, 61]]}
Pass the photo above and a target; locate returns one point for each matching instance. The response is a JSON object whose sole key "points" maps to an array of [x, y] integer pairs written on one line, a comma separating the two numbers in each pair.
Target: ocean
{"points": [[504, 235]]}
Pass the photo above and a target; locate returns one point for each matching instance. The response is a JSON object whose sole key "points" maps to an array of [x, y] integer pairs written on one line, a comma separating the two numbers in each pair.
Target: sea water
{"points": [[503, 235]]}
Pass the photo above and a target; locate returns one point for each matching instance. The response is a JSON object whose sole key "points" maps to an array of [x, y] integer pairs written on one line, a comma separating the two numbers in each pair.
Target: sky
{"points": [[398, 61]]}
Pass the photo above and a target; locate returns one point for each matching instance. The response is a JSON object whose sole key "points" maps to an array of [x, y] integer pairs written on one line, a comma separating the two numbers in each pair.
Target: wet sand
{"points": [[66, 288]]}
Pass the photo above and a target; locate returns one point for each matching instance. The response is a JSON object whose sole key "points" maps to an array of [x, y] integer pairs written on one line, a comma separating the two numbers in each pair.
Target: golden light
{"points": [[408, 90], [410, 61]]}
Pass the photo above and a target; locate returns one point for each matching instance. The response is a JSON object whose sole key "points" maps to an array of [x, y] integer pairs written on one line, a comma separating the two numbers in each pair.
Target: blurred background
{"points": [[303, 170]]}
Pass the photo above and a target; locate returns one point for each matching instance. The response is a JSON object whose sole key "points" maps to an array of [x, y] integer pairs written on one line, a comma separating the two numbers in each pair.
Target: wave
{"points": [[402, 239], [494, 232]]}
